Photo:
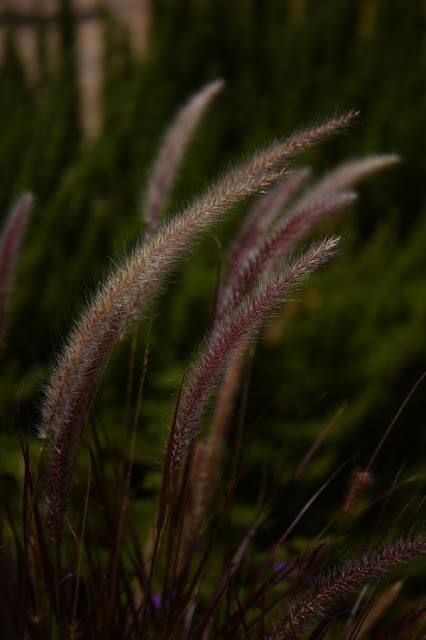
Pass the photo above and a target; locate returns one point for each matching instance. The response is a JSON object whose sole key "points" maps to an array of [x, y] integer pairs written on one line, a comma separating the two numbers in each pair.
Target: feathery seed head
{"points": [[231, 334], [126, 295], [172, 150], [328, 592]]}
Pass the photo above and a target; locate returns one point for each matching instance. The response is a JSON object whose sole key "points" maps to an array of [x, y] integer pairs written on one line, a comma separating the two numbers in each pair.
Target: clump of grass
{"points": [[186, 578]]}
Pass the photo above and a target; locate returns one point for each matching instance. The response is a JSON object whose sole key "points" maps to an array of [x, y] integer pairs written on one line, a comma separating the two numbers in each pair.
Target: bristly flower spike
{"points": [[233, 332], [327, 594], [127, 293], [172, 150], [253, 251], [266, 255], [347, 174], [259, 219]]}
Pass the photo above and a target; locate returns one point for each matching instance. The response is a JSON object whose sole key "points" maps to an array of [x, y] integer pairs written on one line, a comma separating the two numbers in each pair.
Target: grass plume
{"points": [[172, 150], [128, 292], [330, 590], [231, 334]]}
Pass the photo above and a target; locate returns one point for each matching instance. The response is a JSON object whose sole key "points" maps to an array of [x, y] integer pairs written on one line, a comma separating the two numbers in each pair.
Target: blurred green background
{"points": [[356, 333]]}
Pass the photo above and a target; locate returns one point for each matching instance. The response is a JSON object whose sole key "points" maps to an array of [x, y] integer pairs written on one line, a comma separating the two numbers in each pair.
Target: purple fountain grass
{"points": [[172, 150], [10, 241], [231, 334], [268, 252], [347, 174], [258, 220], [326, 595], [121, 300], [252, 253], [251, 250]]}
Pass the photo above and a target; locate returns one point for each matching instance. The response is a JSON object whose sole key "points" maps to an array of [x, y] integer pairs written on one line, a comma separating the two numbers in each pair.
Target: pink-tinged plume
{"points": [[328, 593], [230, 334], [172, 150], [266, 255], [127, 293], [258, 221], [347, 174], [255, 251]]}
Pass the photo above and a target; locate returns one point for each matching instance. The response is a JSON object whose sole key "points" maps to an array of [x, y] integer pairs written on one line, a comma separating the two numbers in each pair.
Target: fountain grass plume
{"points": [[329, 591], [347, 174], [254, 248], [230, 334], [128, 292], [268, 252], [172, 150], [257, 252], [260, 217]]}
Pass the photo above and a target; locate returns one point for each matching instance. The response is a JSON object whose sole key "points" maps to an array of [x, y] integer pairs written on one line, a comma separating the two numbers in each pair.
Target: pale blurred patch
{"points": [[134, 15]]}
